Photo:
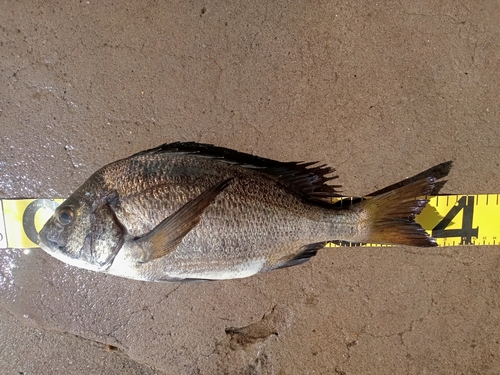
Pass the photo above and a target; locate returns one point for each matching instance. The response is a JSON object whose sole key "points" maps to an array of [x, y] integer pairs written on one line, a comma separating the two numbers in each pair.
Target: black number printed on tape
{"points": [[466, 203]]}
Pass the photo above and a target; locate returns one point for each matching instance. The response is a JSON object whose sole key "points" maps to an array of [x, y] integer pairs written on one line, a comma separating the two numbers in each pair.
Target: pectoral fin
{"points": [[167, 235]]}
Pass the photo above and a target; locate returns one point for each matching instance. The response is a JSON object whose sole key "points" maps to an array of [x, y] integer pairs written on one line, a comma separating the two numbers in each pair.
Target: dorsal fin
{"points": [[305, 178]]}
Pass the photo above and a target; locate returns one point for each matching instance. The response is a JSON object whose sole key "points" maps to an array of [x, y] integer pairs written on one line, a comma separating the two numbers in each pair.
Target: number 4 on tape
{"points": [[466, 232], [462, 219]]}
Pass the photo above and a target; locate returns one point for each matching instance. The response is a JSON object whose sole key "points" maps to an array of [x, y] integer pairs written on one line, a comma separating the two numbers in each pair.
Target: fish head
{"points": [[83, 232]]}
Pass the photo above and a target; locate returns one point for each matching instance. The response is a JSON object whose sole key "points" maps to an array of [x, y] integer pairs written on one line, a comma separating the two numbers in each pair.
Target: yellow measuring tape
{"points": [[451, 219]]}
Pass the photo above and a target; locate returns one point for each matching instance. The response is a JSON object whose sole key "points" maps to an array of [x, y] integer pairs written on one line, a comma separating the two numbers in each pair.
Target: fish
{"points": [[189, 211]]}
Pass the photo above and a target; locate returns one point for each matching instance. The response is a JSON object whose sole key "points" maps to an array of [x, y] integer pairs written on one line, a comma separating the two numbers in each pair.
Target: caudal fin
{"points": [[390, 216]]}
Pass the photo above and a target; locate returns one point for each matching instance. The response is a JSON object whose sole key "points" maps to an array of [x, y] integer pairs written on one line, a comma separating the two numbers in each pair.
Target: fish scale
{"points": [[187, 211]]}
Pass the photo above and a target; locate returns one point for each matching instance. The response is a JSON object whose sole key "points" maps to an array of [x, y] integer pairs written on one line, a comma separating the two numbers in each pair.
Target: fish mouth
{"points": [[46, 244], [49, 240]]}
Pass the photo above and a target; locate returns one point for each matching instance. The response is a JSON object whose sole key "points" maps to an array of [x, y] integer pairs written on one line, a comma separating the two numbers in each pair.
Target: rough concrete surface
{"points": [[380, 91]]}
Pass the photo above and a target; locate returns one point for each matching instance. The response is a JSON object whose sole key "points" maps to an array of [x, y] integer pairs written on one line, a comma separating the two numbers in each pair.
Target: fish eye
{"points": [[65, 216]]}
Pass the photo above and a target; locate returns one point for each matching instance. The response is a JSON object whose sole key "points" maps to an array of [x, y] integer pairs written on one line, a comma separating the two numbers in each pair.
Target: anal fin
{"points": [[307, 253]]}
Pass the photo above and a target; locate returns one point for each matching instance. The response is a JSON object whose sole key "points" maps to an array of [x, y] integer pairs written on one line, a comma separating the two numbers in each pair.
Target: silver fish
{"points": [[188, 211]]}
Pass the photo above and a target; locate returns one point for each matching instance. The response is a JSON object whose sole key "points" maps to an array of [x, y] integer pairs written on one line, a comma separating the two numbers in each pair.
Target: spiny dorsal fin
{"points": [[167, 235], [303, 178]]}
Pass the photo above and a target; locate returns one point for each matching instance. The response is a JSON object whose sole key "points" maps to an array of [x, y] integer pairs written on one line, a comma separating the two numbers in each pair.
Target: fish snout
{"points": [[50, 239]]}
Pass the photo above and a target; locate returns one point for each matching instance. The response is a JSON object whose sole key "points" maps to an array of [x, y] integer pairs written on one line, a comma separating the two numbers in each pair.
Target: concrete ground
{"points": [[380, 91]]}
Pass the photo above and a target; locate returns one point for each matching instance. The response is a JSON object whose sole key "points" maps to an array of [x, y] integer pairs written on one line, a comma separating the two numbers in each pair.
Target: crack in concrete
{"points": [[133, 313], [411, 324], [105, 347], [349, 343]]}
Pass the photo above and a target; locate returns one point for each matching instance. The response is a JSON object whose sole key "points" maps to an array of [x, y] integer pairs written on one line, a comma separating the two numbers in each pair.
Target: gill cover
{"points": [[107, 234]]}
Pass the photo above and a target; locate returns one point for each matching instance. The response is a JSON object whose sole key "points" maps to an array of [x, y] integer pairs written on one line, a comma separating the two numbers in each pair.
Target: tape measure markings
{"points": [[451, 219], [466, 219]]}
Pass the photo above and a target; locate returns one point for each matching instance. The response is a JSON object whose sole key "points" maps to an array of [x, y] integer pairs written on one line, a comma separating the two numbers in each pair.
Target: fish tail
{"points": [[390, 217]]}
